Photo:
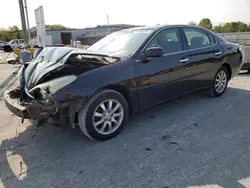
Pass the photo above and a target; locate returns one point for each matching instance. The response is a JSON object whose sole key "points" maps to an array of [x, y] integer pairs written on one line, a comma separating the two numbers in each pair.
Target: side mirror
{"points": [[154, 52], [7, 48]]}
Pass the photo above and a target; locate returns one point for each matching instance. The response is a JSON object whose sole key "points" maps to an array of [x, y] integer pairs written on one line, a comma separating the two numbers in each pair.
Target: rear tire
{"points": [[104, 115], [220, 82]]}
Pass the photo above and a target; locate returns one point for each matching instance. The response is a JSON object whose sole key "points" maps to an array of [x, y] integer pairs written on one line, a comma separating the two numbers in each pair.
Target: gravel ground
{"points": [[193, 141]]}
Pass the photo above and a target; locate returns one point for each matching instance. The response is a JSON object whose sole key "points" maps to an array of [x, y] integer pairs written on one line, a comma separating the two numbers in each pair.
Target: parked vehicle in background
{"points": [[246, 67], [123, 73], [13, 44], [245, 50], [16, 43], [2, 44]]}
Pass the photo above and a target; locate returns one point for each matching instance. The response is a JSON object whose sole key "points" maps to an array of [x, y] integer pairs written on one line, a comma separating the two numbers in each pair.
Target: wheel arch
{"points": [[124, 91], [229, 69]]}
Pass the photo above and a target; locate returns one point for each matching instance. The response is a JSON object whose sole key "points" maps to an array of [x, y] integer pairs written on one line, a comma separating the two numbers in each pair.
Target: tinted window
{"points": [[196, 38], [169, 40], [212, 40]]}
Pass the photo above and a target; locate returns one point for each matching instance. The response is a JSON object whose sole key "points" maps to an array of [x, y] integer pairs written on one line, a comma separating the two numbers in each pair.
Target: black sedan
{"points": [[123, 73]]}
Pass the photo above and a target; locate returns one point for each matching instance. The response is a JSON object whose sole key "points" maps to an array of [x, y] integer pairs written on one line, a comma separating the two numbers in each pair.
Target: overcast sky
{"points": [[89, 13]]}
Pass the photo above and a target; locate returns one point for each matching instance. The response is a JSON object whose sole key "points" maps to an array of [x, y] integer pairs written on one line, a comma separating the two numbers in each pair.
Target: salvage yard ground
{"points": [[189, 142]]}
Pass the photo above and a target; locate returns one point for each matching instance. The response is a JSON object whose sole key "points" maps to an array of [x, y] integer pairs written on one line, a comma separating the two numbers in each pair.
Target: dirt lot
{"points": [[194, 141]]}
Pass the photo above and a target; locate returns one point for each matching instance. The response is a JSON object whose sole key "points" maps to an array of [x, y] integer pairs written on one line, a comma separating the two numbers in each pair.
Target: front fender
{"points": [[90, 82]]}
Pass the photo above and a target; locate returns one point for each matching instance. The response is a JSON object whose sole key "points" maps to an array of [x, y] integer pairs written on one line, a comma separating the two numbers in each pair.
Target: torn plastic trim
{"points": [[42, 109], [65, 109]]}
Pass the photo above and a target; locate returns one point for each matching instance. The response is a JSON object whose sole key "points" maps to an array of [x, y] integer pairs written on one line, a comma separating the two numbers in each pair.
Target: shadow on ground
{"points": [[191, 141]]}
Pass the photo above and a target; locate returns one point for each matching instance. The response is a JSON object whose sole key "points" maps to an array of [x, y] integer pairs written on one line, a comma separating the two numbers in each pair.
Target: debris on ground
{"points": [[148, 149]]}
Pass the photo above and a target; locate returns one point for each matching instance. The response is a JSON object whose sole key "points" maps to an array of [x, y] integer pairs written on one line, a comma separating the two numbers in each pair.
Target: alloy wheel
{"points": [[221, 81], [108, 116]]}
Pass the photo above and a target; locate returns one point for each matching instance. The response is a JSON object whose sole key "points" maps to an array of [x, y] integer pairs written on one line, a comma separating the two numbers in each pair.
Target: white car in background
{"points": [[16, 43]]}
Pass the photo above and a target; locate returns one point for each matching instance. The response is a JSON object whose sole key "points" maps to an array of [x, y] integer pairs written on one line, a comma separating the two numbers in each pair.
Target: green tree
{"points": [[235, 27], [218, 29], [206, 23], [55, 26], [12, 32], [243, 27], [192, 23], [227, 27], [15, 32], [14, 28]]}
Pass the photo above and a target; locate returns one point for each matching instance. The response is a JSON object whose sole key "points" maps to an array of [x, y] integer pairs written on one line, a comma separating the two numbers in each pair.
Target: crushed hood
{"points": [[53, 62]]}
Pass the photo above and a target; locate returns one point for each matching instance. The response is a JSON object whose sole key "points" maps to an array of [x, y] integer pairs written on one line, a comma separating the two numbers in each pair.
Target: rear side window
{"points": [[212, 40], [196, 38], [169, 40]]}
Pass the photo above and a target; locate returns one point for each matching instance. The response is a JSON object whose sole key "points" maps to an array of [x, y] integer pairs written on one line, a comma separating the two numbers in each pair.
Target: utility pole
{"points": [[27, 19], [108, 22], [23, 21]]}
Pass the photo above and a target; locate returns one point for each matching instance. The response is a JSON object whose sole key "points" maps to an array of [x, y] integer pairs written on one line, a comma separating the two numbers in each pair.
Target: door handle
{"points": [[184, 60], [217, 53]]}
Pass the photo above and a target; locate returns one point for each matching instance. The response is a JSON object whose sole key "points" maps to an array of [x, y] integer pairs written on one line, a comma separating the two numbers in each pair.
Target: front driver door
{"points": [[162, 78]]}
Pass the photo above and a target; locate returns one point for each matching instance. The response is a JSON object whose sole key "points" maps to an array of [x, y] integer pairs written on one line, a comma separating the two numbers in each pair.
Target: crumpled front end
{"points": [[40, 107], [53, 70], [33, 100], [39, 103], [28, 109]]}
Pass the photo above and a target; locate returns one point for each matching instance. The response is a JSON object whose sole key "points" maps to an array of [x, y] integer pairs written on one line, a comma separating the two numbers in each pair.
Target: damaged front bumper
{"points": [[30, 111], [42, 110]]}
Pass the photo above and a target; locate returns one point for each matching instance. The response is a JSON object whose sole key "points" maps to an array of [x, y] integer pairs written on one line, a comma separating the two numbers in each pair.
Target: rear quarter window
{"points": [[212, 40]]}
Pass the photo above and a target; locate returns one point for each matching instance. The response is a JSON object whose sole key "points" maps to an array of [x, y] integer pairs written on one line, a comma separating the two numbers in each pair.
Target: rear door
{"points": [[162, 78], [204, 54]]}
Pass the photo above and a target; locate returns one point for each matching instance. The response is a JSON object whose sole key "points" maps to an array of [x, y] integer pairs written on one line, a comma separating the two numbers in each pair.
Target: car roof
{"points": [[158, 27], [154, 28]]}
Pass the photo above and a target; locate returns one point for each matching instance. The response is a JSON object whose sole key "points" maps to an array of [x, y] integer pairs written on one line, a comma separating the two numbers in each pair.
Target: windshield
{"points": [[121, 43]]}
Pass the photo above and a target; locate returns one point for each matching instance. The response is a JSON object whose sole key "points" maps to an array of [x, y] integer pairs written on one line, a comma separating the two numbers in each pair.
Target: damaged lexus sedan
{"points": [[121, 74]]}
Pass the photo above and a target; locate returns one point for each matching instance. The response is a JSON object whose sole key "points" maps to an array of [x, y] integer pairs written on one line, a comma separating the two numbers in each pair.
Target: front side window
{"points": [[169, 40], [196, 38]]}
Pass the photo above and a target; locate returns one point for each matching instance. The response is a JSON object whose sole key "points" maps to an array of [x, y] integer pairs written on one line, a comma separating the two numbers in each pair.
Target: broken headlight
{"points": [[47, 89]]}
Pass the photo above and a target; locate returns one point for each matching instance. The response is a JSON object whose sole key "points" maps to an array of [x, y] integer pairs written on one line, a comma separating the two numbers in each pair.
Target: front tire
{"points": [[104, 115], [220, 82]]}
